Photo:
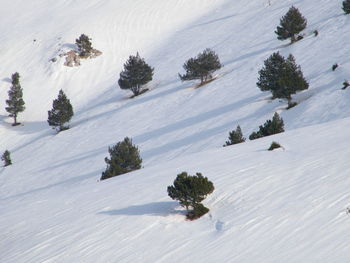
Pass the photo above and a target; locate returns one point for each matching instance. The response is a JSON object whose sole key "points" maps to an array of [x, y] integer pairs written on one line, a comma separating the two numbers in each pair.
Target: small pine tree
{"points": [[61, 112], [235, 137], [136, 73], [6, 158], [15, 102], [190, 191], [202, 66], [291, 24], [283, 77], [274, 145], [346, 6], [84, 45], [270, 127], [124, 158]]}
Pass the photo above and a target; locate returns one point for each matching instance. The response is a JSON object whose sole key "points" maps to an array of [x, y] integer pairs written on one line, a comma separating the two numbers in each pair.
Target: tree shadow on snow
{"points": [[152, 209]]}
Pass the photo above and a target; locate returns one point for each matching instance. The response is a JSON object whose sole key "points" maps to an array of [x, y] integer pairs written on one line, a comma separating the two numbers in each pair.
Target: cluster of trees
{"points": [[137, 72], [190, 191], [61, 113], [270, 127]]}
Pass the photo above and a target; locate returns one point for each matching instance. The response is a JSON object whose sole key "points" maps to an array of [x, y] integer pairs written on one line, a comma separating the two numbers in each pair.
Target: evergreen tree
{"points": [[291, 24], [346, 6], [15, 102], [202, 66], [6, 158], [136, 73], [283, 77], [270, 127], [190, 191], [124, 158], [84, 45], [61, 112], [235, 137]]}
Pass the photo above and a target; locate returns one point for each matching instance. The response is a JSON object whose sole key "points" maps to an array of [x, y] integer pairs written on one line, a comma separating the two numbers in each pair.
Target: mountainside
{"points": [[287, 205]]}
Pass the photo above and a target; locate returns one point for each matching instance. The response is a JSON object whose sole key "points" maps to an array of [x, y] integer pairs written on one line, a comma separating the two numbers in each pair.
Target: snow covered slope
{"points": [[276, 206]]}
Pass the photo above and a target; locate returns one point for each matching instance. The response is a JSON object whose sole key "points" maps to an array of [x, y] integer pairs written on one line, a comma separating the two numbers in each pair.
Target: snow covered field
{"points": [[281, 206]]}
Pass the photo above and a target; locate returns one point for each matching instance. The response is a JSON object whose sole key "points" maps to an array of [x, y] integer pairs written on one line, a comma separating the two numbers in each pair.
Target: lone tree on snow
{"points": [[202, 66], [190, 191], [283, 77], [235, 137], [136, 73], [124, 158], [6, 158], [290, 25], [15, 102], [270, 127], [84, 45], [61, 112], [346, 6]]}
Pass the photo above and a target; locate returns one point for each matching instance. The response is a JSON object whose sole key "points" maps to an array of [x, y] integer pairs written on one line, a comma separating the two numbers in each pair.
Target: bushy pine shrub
{"points": [[61, 112], [235, 137], [283, 77], [291, 24], [124, 158], [6, 158], [84, 45], [190, 191], [136, 73], [274, 145], [346, 6], [202, 66], [270, 127]]}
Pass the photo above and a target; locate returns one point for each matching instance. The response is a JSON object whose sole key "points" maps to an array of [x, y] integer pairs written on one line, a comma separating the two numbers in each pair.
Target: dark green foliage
{"points": [[270, 127], [235, 137], [15, 102], [6, 158], [136, 73], [202, 66], [84, 45], [61, 113], [346, 6], [290, 25], [334, 66], [190, 191], [291, 104], [198, 211], [124, 158], [283, 77], [274, 145]]}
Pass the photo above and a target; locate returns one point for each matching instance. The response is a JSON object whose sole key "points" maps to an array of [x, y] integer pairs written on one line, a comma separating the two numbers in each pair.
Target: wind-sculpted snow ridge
{"points": [[286, 205]]}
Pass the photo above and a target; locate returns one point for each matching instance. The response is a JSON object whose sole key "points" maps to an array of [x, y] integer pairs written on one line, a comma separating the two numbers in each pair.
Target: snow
{"points": [[288, 205]]}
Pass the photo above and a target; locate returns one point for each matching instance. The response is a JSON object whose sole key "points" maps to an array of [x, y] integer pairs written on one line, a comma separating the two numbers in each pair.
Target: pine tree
{"points": [[201, 67], [6, 158], [291, 24], [346, 6], [15, 102], [124, 158], [136, 73], [190, 191], [61, 112], [270, 127], [235, 137], [84, 45], [283, 77]]}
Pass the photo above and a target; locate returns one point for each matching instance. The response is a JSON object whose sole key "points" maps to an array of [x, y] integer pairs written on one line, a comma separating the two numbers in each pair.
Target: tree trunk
{"points": [[292, 39]]}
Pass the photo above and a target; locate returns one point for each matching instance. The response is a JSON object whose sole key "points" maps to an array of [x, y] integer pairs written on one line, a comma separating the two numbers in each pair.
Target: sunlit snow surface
{"points": [[288, 205]]}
